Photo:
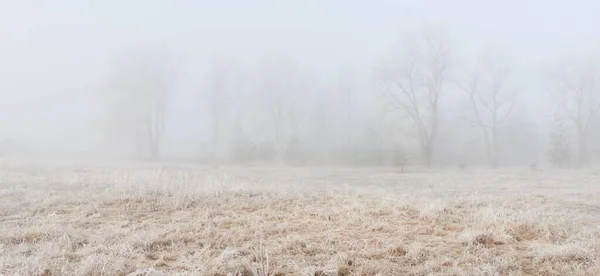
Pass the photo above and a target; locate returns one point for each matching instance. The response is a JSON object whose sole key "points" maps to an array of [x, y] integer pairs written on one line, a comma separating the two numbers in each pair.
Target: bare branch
{"points": [[508, 112]]}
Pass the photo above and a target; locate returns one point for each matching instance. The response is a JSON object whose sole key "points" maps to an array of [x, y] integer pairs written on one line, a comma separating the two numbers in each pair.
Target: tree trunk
{"points": [[489, 154], [139, 146], [493, 158], [215, 143], [427, 153], [582, 145], [493, 162], [154, 151], [429, 148], [154, 144], [279, 147], [154, 129]]}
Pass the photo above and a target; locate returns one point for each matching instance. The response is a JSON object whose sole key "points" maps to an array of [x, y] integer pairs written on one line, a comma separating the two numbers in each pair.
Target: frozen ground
{"points": [[187, 220]]}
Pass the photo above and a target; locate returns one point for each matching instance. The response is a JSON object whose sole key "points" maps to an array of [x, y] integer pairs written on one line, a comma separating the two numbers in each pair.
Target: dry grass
{"points": [[61, 220]]}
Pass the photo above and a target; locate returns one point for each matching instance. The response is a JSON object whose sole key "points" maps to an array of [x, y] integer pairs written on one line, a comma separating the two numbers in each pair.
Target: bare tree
{"points": [[345, 86], [137, 94], [491, 100], [416, 81], [224, 81], [279, 83], [579, 99]]}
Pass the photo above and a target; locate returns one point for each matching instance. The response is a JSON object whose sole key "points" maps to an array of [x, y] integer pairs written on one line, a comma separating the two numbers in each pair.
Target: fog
{"points": [[303, 82]]}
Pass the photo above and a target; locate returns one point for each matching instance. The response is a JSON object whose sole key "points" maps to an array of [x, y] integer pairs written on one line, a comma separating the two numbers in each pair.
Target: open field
{"points": [[185, 220]]}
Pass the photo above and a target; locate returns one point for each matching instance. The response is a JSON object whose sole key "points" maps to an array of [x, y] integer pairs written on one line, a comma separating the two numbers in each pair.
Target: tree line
{"points": [[277, 112]]}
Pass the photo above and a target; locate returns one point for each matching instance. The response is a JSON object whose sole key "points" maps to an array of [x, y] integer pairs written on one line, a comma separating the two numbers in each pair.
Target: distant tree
{"points": [[345, 86], [576, 83], [136, 94], [416, 80], [224, 82], [491, 100], [560, 152], [321, 123], [279, 85]]}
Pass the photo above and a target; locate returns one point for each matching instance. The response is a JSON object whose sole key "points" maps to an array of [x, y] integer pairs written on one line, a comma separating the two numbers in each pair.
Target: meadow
{"points": [[178, 219]]}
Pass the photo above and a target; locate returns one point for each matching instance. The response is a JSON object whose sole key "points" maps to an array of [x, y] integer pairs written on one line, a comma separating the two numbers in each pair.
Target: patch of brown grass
{"points": [[397, 251], [525, 232], [29, 237]]}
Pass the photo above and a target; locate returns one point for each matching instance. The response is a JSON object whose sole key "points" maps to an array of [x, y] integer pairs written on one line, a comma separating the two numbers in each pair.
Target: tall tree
{"points": [[345, 86], [224, 82], [137, 93], [416, 80], [492, 99], [279, 85], [579, 98]]}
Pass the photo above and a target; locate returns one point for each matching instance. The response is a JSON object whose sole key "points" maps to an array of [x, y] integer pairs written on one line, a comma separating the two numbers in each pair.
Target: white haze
{"points": [[56, 58]]}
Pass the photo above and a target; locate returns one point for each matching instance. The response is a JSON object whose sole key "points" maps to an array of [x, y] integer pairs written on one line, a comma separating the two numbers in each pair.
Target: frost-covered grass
{"points": [[187, 220]]}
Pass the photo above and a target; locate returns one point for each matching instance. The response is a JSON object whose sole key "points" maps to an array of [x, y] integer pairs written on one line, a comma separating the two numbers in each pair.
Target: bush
{"points": [[560, 152]]}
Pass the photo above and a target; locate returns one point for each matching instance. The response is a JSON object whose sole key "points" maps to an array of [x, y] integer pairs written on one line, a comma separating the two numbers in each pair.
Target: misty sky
{"points": [[54, 54]]}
